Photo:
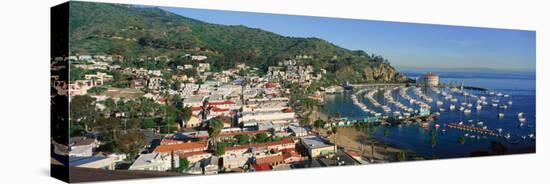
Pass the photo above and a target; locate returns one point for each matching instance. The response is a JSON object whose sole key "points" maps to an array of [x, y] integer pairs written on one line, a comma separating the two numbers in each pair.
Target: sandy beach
{"points": [[351, 139]]}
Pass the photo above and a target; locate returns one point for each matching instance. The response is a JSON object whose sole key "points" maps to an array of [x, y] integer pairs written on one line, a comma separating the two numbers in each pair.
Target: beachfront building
{"points": [[428, 79], [316, 147]]}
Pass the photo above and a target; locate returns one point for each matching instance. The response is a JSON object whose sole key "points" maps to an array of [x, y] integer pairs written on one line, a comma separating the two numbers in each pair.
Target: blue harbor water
{"points": [[412, 137]]}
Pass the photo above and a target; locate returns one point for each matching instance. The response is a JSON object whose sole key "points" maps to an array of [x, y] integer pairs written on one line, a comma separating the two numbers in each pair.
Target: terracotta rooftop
{"points": [[261, 167], [192, 154], [181, 146], [225, 102], [261, 145], [270, 159]]}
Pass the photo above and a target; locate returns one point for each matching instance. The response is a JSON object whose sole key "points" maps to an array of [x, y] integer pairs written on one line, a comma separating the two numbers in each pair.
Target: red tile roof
{"points": [[287, 110], [287, 153], [270, 160], [225, 102], [233, 134], [261, 145], [185, 155], [180, 147], [215, 109], [261, 167]]}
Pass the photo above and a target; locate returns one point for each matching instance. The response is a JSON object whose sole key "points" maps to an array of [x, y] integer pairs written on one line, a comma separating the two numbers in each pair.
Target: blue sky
{"points": [[405, 45]]}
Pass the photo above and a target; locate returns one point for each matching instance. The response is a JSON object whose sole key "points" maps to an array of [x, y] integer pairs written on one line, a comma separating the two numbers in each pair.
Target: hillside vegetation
{"points": [[138, 33]]}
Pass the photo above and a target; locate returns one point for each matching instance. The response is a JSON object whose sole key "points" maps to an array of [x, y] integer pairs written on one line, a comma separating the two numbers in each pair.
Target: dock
{"points": [[469, 128]]}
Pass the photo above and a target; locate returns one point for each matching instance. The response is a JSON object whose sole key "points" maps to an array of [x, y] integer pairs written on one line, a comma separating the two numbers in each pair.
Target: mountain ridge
{"points": [[140, 32]]}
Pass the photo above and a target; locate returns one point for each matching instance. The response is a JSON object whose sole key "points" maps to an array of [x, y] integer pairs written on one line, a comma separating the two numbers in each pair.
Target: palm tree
{"points": [[335, 132], [214, 128], [433, 142], [386, 133], [371, 129]]}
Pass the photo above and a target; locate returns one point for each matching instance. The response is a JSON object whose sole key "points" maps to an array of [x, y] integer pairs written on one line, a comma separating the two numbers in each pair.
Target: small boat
{"points": [[510, 102], [495, 105], [452, 107], [466, 111], [480, 123], [503, 106], [520, 114], [506, 95], [507, 136], [439, 102], [501, 115], [521, 120], [478, 107], [499, 130], [499, 94], [437, 126]]}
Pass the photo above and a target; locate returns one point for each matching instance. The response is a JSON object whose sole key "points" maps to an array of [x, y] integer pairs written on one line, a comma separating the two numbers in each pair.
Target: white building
{"points": [[316, 147], [428, 79], [98, 78], [298, 131], [199, 58], [154, 162], [259, 115]]}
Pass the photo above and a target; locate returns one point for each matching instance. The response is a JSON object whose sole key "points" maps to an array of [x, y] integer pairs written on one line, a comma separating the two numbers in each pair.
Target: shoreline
{"points": [[351, 139]]}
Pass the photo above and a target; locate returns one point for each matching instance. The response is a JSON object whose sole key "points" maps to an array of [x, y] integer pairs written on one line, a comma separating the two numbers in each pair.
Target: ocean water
{"points": [[520, 86]]}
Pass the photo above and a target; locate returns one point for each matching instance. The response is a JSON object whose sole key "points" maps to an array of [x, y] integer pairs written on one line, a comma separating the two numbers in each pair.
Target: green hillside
{"points": [[138, 32]]}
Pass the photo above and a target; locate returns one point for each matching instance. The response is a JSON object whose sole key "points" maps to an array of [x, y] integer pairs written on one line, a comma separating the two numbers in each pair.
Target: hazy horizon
{"points": [[405, 45]]}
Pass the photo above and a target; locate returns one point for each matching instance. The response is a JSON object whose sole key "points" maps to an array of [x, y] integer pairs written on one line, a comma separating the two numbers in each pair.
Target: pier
{"points": [[469, 128]]}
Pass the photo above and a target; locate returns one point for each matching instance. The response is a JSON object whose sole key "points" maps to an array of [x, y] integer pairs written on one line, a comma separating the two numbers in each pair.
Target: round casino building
{"points": [[428, 79]]}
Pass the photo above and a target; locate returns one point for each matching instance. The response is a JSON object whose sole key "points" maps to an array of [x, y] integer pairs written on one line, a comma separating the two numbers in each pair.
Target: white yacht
{"points": [[478, 107], [452, 107], [520, 114]]}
